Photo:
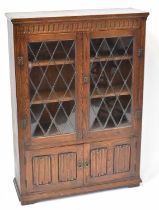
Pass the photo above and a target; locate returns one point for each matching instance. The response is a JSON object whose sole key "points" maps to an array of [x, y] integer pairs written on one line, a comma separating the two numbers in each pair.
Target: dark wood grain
{"points": [[86, 87], [38, 196], [85, 160], [78, 83], [14, 105]]}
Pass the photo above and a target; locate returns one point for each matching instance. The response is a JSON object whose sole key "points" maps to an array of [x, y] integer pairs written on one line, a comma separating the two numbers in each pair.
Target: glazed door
{"points": [[109, 84], [53, 87], [54, 169]]}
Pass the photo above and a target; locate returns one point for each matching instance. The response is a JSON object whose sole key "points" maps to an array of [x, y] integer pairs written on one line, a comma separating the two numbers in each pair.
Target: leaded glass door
{"points": [[110, 90], [53, 86]]}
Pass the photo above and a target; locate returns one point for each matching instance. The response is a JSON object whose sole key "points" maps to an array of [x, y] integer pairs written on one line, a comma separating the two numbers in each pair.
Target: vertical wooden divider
{"points": [[78, 84], [86, 85], [23, 112], [86, 170], [141, 60], [86, 93]]}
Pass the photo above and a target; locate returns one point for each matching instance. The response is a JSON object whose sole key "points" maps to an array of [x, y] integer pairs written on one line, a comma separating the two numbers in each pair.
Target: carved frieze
{"points": [[69, 26]]}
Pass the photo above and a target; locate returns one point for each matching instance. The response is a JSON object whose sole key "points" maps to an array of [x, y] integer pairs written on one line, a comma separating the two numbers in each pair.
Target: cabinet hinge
{"points": [[24, 123], [135, 167], [79, 134], [136, 144], [86, 80], [139, 114], [20, 60], [140, 52], [84, 134], [24, 160], [26, 183]]}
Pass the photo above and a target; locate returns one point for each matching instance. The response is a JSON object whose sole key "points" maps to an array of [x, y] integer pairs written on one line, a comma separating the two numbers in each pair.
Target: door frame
{"points": [[110, 132], [24, 84]]}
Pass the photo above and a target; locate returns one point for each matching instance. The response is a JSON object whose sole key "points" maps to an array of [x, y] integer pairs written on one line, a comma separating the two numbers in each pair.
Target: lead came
{"points": [[111, 77], [52, 87]]}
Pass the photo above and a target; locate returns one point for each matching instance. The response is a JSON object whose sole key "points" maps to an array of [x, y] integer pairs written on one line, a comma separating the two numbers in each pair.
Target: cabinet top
{"points": [[22, 16]]}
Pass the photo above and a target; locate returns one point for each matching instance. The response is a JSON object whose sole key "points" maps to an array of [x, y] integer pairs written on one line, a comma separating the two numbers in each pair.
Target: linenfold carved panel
{"points": [[86, 25], [122, 158], [99, 162], [44, 168], [67, 167], [105, 161]]}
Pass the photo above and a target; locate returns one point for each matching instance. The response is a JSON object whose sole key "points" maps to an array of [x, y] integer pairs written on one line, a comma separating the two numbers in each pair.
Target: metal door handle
{"points": [[80, 164], [86, 80], [86, 163], [83, 164]]}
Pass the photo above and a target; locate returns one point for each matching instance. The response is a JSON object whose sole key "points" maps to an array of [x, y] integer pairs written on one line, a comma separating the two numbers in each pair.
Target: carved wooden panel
{"points": [[42, 170], [99, 162], [122, 158], [54, 168], [74, 26], [109, 160], [116, 160], [67, 167]]}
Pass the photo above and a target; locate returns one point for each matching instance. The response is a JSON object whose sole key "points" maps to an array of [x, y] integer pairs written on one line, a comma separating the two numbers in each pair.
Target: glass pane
{"points": [[111, 67], [52, 87]]}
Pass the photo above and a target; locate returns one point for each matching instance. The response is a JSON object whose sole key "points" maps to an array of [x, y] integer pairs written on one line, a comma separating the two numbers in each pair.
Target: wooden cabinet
{"points": [[77, 88]]}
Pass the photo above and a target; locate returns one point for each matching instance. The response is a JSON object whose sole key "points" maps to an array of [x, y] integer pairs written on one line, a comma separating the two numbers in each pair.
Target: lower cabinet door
{"points": [[109, 160], [54, 169]]}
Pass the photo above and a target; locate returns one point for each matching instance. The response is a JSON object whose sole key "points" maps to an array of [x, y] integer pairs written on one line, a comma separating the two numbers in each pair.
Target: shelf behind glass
{"points": [[43, 96]]}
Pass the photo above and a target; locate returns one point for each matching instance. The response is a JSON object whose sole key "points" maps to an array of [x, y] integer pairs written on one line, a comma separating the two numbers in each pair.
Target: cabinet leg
{"points": [[134, 185]]}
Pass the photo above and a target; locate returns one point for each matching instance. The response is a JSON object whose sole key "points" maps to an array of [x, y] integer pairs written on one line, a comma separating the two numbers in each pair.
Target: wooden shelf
{"points": [[51, 63], [99, 93], [54, 97], [59, 96], [110, 58], [72, 61]]}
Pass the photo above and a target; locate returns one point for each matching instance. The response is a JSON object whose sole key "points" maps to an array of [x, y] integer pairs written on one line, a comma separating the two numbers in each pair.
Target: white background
{"points": [[128, 198]]}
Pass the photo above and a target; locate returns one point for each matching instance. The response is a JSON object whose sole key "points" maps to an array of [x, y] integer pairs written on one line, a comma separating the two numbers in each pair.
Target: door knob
{"points": [[83, 164], [86, 80]]}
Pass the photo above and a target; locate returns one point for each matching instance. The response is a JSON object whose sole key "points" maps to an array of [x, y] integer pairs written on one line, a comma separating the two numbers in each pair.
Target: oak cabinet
{"points": [[77, 87]]}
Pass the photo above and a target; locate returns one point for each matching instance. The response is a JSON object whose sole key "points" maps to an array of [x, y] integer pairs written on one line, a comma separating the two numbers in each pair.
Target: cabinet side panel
{"points": [[14, 102], [142, 35]]}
